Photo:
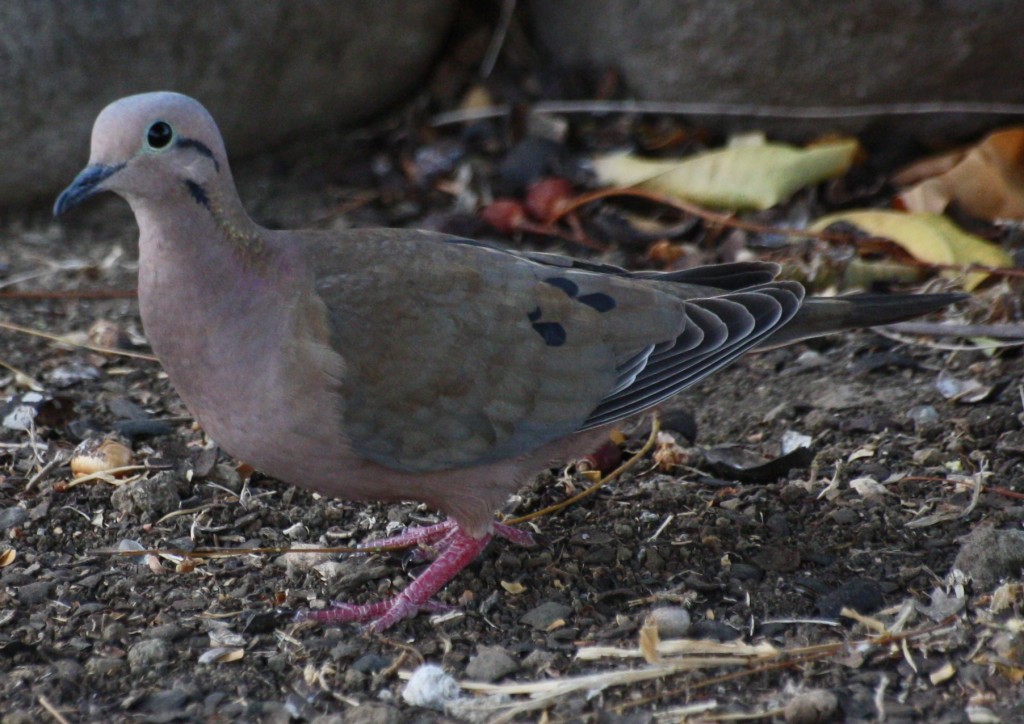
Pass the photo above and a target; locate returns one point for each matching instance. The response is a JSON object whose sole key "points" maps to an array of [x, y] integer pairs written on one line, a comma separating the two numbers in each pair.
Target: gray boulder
{"points": [[798, 53], [266, 70]]}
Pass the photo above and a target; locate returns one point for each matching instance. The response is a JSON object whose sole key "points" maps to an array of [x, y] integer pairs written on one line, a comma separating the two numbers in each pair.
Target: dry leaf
{"points": [[927, 237], [868, 488], [986, 181], [1007, 596], [741, 176], [515, 588], [221, 655], [864, 452]]}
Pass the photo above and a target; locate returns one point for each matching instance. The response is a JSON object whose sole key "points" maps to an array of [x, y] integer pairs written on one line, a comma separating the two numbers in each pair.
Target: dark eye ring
{"points": [[159, 135]]}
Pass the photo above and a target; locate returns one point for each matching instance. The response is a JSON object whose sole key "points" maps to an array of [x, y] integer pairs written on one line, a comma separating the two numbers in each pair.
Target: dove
{"points": [[395, 364]]}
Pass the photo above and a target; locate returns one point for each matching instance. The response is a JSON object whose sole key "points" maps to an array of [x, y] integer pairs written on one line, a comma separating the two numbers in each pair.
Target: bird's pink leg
{"points": [[423, 535], [455, 549]]}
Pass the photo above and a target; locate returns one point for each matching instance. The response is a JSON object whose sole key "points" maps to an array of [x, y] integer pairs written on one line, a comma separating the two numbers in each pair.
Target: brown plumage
{"points": [[392, 364]]}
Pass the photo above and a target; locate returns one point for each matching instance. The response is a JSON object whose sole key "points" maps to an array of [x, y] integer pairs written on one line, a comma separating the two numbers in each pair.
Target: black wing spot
{"points": [[199, 147], [534, 315], [566, 285], [552, 333], [198, 193], [598, 300]]}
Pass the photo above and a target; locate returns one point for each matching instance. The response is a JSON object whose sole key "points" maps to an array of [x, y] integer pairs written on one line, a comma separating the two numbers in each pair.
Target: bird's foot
{"points": [[431, 541], [453, 550]]}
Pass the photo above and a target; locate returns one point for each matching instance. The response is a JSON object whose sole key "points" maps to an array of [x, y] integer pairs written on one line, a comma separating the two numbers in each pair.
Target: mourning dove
{"points": [[392, 364]]}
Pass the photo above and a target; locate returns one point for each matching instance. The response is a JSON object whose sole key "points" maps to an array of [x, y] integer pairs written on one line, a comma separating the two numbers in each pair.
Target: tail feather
{"points": [[823, 315]]}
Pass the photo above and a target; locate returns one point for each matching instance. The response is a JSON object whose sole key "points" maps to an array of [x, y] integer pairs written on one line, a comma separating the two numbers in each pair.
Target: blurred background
{"points": [[274, 71]]}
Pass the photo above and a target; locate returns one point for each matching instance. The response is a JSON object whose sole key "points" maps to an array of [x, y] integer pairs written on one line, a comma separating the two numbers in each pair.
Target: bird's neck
{"points": [[211, 263], [206, 235], [243, 236]]}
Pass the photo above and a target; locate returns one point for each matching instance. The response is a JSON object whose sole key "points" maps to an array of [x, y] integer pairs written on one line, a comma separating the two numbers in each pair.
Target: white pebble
{"points": [[672, 621]]}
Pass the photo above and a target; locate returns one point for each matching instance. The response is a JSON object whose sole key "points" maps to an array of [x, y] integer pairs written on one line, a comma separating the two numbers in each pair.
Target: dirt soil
{"points": [[909, 513]]}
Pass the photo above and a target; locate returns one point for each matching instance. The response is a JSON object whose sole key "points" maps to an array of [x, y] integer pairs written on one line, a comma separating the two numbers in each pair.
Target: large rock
{"points": [[798, 53], [266, 70]]}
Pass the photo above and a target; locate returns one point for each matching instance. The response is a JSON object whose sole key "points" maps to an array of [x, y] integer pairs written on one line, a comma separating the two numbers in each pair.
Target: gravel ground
{"points": [[907, 509]]}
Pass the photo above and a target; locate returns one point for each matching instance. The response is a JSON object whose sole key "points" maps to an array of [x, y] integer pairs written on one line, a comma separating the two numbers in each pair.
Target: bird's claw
{"points": [[452, 549]]}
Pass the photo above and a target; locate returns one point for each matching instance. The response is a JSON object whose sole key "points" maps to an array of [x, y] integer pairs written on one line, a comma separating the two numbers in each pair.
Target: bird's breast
{"points": [[251, 365]]}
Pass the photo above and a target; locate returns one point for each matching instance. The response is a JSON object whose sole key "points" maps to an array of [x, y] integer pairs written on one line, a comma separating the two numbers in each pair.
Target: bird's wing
{"points": [[458, 354]]}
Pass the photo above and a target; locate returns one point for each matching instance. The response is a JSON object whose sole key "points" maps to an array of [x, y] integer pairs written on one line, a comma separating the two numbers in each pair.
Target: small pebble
{"points": [[923, 415], [165, 701], [812, 707], [369, 714], [354, 680], [860, 594], [167, 632], [11, 517], [538, 659], [672, 622], [779, 558], [32, 594], [745, 572], [546, 614], [490, 664], [103, 667], [152, 497], [927, 456], [778, 524], [810, 359], [148, 653], [817, 421], [370, 663], [114, 631], [297, 560], [527, 161], [67, 671], [845, 516], [990, 554], [792, 494]]}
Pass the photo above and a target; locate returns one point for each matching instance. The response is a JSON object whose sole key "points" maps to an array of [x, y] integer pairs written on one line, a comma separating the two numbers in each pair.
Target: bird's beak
{"points": [[86, 184]]}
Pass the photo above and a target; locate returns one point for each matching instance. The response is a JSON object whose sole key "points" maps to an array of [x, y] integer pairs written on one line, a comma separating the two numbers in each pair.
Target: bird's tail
{"points": [[823, 315]]}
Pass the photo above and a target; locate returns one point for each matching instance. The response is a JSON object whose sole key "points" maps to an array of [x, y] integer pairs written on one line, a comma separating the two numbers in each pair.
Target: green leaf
{"points": [[930, 238], [738, 177]]}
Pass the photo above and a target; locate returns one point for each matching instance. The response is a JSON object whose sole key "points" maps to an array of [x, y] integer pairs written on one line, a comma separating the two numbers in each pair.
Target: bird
{"points": [[396, 364]]}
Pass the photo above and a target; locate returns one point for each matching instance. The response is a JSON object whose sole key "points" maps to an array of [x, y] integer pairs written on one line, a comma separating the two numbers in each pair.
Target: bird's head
{"points": [[153, 146]]}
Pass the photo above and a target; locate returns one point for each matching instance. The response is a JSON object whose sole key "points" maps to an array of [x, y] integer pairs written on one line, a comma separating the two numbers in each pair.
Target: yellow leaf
{"points": [[515, 588], [927, 237], [738, 177]]}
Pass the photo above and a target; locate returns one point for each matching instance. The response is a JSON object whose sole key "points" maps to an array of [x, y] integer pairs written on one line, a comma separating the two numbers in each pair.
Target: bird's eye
{"points": [[159, 135]]}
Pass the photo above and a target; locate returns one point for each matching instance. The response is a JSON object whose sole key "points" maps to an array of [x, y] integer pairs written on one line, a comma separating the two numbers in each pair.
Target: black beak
{"points": [[84, 186]]}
